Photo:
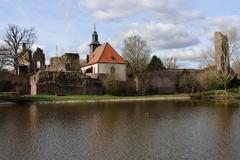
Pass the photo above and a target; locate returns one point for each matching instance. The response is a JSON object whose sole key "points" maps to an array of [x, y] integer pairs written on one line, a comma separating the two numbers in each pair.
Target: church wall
{"points": [[120, 70]]}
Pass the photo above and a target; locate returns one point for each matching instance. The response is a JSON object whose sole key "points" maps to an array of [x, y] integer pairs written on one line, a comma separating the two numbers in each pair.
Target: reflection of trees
{"points": [[109, 129], [2, 118]]}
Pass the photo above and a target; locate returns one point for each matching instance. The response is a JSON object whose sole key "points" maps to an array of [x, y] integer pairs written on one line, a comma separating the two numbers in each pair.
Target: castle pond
{"points": [[123, 130]]}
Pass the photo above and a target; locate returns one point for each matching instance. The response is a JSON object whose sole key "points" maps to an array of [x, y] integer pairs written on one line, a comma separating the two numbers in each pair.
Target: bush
{"points": [[187, 83], [208, 81], [118, 88]]}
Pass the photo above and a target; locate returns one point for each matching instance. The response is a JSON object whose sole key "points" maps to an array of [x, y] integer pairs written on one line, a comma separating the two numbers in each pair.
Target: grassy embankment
{"points": [[218, 94], [90, 98], [215, 94]]}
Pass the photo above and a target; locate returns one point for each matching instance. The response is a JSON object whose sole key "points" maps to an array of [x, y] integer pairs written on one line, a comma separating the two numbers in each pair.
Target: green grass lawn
{"points": [[11, 97], [94, 97]]}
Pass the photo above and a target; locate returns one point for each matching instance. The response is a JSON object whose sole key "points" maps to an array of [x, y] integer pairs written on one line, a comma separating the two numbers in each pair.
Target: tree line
{"points": [[137, 53]]}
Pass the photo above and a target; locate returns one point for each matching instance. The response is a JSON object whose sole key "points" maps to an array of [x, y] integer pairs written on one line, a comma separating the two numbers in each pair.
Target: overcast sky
{"points": [[179, 28]]}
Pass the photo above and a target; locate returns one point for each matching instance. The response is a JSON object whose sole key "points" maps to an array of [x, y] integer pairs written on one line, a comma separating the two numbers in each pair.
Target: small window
{"points": [[113, 59]]}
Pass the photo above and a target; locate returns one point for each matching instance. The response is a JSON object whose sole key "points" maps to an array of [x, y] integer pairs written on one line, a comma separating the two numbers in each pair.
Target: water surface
{"points": [[116, 131]]}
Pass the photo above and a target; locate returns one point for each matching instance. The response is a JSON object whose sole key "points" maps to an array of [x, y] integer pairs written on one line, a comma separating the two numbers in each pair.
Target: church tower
{"points": [[95, 43]]}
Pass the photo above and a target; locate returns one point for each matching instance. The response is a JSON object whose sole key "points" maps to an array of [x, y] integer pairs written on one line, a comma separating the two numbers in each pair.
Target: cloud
{"points": [[173, 10], [186, 54], [162, 36], [83, 49], [180, 16], [189, 57], [220, 23]]}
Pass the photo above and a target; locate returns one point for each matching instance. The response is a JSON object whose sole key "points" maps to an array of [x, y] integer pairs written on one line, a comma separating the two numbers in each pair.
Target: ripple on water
{"points": [[172, 130]]}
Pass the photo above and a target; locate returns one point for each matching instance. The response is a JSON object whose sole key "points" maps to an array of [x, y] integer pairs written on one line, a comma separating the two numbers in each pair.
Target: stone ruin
{"points": [[10, 82], [63, 83], [68, 62], [30, 63], [63, 75], [221, 52], [38, 60]]}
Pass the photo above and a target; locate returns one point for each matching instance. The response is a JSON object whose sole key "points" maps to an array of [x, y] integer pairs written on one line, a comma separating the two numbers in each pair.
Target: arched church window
{"points": [[112, 70]]}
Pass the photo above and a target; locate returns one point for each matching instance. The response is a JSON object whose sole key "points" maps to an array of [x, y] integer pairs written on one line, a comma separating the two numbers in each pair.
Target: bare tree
{"points": [[233, 43], [13, 38], [137, 53], [3, 59], [208, 57], [170, 63], [236, 66]]}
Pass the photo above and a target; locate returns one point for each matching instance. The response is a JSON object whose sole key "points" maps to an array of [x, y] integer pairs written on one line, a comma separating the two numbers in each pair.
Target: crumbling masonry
{"points": [[221, 52]]}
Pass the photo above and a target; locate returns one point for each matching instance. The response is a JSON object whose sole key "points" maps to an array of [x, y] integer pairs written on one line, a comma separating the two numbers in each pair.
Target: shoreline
{"points": [[117, 100], [51, 99]]}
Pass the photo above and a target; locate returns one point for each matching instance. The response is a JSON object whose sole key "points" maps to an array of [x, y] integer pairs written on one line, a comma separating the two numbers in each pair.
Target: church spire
{"points": [[95, 35], [95, 43]]}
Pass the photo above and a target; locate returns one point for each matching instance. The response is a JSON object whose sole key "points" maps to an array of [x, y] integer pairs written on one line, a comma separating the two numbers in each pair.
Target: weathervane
{"points": [[94, 26]]}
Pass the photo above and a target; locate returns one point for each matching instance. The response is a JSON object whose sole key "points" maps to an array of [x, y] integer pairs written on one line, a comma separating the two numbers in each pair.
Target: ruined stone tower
{"points": [[221, 52]]}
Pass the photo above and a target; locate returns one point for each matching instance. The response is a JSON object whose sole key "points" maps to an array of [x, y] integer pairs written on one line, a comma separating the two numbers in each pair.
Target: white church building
{"points": [[104, 60]]}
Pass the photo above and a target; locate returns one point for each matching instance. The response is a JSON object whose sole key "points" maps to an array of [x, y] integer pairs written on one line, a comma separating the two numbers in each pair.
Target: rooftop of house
{"points": [[105, 54]]}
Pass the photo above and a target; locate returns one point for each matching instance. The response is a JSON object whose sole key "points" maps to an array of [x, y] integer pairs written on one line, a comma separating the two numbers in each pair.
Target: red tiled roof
{"points": [[105, 54]]}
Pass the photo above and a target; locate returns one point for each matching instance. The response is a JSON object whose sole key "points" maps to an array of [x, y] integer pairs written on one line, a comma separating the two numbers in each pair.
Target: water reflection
{"points": [[152, 130]]}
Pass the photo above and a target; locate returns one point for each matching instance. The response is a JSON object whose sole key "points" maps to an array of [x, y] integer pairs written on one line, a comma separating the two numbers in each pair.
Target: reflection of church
{"points": [[104, 60]]}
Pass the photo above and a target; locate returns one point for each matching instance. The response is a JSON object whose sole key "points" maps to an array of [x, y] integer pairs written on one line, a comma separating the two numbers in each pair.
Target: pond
{"points": [[115, 131]]}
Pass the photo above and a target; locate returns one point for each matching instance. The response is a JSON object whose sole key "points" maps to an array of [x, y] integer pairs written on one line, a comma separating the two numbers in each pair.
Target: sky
{"points": [[173, 28]]}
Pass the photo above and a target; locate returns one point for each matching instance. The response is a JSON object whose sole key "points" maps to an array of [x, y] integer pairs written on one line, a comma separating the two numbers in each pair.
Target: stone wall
{"points": [[10, 82], [68, 62], [64, 83], [165, 81]]}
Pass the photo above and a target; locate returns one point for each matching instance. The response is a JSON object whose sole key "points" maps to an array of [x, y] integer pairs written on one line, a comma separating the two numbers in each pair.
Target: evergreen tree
{"points": [[155, 64]]}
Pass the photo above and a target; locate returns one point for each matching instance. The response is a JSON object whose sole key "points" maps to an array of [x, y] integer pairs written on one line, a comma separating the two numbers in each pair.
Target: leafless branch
{"points": [[170, 63], [14, 37]]}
